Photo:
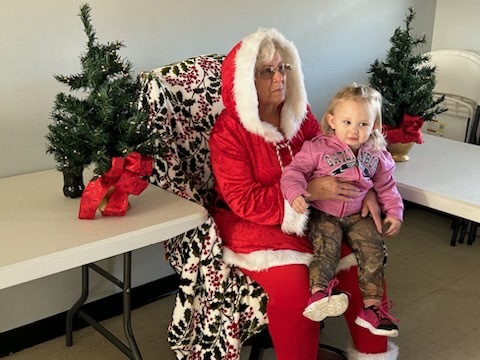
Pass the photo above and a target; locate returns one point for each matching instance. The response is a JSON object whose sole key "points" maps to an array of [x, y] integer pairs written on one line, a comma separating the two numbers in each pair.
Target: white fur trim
{"points": [[264, 259], [346, 262], [293, 222], [391, 354], [295, 106]]}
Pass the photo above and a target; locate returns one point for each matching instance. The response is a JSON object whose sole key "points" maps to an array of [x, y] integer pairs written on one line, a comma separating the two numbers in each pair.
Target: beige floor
{"points": [[435, 289]]}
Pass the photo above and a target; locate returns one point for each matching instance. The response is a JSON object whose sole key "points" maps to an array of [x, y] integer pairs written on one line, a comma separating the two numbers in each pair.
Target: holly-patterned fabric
{"points": [[217, 307]]}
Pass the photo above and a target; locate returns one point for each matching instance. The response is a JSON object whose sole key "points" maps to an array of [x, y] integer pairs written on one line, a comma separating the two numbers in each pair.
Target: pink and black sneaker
{"points": [[328, 302], [378, 320]]}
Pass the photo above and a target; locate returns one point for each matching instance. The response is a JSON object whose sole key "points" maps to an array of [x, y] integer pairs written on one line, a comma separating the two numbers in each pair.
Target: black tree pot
{"points": [[73, 183]]}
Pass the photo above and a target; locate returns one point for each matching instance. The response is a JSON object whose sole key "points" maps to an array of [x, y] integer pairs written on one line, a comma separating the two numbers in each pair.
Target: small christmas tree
{"points": [[405, 79], [105, 121]]}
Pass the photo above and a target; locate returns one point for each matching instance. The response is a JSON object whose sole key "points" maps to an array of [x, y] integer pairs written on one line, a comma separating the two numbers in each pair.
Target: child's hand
{"points": [[299, 204], [393, 226]]}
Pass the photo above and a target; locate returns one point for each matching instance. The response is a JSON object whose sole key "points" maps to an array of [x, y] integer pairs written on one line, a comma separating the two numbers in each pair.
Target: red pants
{"points": [[296, 337]]}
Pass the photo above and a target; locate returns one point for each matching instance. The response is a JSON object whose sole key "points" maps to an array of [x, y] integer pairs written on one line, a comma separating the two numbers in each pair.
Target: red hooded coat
{"points": [[248, 156]]}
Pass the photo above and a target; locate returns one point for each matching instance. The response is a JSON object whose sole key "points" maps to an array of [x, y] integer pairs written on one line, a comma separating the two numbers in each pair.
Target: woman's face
{"points": [[271, 91]]}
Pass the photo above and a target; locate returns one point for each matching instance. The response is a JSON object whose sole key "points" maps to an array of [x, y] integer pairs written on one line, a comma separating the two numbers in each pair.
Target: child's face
{"points": [[353, 122]]}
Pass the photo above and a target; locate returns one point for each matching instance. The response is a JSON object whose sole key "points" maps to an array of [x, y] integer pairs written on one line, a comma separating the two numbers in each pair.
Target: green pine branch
{"points": [[405, 79], [105, 120]]}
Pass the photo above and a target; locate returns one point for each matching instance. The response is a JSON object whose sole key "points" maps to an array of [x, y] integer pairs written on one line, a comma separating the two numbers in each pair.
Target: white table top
{"points": [[40, 233], [444, 175]]}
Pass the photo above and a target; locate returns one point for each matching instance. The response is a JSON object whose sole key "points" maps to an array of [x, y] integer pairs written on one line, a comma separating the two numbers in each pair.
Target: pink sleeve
{"points": [[385, 186]]}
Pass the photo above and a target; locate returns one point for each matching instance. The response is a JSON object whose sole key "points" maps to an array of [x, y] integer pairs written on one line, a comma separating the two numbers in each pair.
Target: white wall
{"points": [[337, 41], [457, 25]]}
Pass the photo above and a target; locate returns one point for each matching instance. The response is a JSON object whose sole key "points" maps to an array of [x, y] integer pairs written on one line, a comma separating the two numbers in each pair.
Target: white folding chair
{"points": [[458, 78]]}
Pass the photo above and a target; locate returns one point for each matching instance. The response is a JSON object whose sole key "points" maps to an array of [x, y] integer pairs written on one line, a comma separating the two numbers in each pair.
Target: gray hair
{"points": [[267, 49]]}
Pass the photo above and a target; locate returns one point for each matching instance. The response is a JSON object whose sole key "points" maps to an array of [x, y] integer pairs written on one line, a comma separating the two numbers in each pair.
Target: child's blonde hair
{"points": [[365, 95]]}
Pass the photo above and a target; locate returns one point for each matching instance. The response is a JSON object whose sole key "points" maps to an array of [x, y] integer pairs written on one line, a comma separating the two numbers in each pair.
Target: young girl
{"points": [[353, 148]]}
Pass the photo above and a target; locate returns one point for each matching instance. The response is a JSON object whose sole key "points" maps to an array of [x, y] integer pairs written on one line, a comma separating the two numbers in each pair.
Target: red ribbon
{"points": [[125, 177], [408, 131]]}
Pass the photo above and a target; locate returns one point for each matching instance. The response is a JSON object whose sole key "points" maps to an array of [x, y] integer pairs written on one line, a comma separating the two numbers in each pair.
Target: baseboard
{"points": [[52, 327]]}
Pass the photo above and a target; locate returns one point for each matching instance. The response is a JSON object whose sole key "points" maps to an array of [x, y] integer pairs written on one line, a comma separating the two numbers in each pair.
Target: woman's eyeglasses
{"points": [[269, 72]]}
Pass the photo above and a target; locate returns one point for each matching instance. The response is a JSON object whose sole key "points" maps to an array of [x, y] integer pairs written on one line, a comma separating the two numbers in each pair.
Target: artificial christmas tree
{"points": [[104, 122], [407, 84]]}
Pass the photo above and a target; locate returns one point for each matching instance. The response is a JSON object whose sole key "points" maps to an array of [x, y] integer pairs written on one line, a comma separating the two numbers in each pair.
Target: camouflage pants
{"points": [[326, 234]]}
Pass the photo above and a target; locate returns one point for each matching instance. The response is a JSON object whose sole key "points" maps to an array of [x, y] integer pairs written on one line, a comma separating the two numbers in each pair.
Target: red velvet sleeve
{"points": [[247, 172], [236, 160]]}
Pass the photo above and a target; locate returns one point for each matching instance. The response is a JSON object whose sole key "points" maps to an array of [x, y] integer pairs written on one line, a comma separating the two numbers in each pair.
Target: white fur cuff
{"points": [[391, 354], [346, 263], [293, 222], [264, 259]]}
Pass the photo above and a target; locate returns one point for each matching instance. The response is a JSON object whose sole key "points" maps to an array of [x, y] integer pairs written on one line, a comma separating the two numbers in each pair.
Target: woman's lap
{"points": [[288, 291], [293, 335]]}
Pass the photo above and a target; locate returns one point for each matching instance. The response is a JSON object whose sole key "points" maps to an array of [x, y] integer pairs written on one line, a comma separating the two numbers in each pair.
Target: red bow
{"points": [[408, 131], [109, 192]]}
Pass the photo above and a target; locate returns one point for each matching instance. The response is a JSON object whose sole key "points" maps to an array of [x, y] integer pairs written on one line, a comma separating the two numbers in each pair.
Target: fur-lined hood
{"points": [[239, 91]]}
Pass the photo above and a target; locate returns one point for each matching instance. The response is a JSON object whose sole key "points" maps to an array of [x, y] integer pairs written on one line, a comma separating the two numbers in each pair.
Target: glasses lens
{"points": [[269, 72], [283, 68]]}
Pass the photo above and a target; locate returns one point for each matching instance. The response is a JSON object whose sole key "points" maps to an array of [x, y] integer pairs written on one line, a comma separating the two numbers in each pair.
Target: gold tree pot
{"points": [[400, 151]]}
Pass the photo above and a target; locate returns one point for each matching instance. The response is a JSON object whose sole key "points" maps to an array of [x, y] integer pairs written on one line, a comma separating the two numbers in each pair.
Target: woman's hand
{"points": [[334, 188], [331, 188], [370, 207]]}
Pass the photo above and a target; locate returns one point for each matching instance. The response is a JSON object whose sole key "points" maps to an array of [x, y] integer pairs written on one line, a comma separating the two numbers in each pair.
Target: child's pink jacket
{"points": [[327, 155]]}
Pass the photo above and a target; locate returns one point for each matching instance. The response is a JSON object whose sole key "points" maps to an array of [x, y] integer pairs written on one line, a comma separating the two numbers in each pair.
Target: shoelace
{"points": [[383, 308], [334, 282]]}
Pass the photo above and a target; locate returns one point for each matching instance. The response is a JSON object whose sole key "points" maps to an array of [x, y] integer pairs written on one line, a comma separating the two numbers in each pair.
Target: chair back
{"points": [[458, 78], [458, 73], [183, 100]]}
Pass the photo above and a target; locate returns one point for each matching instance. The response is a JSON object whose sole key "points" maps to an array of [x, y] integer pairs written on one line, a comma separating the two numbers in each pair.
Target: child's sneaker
{"points": [[378, 320], [328, 302]]}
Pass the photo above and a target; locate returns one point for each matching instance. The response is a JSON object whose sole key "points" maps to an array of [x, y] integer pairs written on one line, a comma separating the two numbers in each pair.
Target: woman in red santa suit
{"points": [[264, 124]]}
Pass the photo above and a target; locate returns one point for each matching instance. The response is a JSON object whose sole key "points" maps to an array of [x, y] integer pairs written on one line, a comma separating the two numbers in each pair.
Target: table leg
{"points": [[455, 227], [133, 351], [76, 307], [127, 305], [473, 233]]}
